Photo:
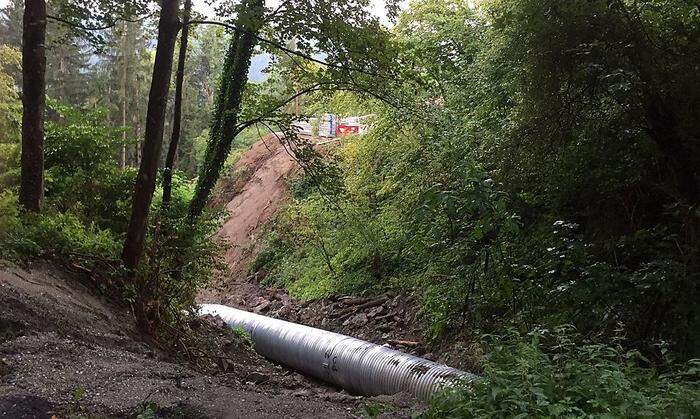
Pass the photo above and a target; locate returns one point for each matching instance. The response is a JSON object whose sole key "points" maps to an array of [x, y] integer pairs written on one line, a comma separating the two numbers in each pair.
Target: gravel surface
{"points": [[65, 351]]}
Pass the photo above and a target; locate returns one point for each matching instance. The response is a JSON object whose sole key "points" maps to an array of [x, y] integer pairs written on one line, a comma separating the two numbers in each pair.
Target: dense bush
{"points": [[179, 259], [53, 235], [552, 376], [525, 176], [87, 195], [83, 175]]}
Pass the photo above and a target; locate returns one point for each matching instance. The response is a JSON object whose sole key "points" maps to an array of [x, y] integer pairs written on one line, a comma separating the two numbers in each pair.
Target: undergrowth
{"points": [[550, 375], [522, 176]]}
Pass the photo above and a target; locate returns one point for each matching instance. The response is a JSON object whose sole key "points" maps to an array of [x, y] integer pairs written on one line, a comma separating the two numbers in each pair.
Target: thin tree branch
{"points": [[277, 10], [285, 49], [267, 113], [97, 28]]}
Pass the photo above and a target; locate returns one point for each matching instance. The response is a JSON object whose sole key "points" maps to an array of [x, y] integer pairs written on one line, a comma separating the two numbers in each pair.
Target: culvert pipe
{"points": [[355, 365]]}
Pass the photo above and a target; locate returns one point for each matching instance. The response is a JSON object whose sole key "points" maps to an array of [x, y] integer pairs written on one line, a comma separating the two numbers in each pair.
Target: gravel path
{"points": [[65, 351]]}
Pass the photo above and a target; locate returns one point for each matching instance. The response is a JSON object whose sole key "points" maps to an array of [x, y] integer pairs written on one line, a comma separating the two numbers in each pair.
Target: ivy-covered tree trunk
{"points": [[168, 27], [177, 108], [31, 190], [228, 103]]}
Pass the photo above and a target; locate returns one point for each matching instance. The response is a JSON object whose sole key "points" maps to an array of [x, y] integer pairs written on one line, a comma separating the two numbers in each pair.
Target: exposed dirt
{"points": [[269, 166], [65, 351]]}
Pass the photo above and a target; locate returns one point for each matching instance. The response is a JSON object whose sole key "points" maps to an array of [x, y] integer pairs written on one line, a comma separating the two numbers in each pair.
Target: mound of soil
{"points": [[65, 351]]}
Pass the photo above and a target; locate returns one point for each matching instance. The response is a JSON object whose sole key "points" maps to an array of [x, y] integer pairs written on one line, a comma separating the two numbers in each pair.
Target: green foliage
{"points": [[374, 409], [82, 172], [340, 103], [227, 107], [551, 375], [53, 235], [243, 336], [75, 408], [244, 140], [180, 257], [147, 410], [521, 175], [10, 106], [88, 198], [10, 117]]}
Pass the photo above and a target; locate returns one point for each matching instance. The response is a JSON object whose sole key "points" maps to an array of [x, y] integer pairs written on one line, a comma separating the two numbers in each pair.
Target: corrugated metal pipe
{"points": [[355, 365]]}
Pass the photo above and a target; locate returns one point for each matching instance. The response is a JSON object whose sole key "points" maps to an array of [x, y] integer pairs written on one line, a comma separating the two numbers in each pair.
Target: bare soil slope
{"points": [[255, 188], [65, 351]]}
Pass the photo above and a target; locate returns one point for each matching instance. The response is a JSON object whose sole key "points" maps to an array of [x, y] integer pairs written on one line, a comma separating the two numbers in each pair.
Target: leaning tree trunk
{"points": [[177, 109], [31, 190], [168, 27], [226, 112]]}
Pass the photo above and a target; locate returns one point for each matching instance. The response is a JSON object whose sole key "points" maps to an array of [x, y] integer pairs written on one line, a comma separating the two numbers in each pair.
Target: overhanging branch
{"points": [[97, 28], [285, 49]]}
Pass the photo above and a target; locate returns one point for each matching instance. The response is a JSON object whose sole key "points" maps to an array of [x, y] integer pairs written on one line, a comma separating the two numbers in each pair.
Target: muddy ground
{"points": [[65, 351]]}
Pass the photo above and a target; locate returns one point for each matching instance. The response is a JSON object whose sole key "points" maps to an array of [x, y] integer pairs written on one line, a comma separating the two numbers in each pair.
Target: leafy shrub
{"points": [[85, 215], [53, 235], [243, 336], [551, 375], [519, 180], [179, 259], [82, 171]]}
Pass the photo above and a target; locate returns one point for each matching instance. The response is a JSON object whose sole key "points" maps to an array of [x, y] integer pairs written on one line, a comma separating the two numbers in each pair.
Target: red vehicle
{"points": [[347, 129]]}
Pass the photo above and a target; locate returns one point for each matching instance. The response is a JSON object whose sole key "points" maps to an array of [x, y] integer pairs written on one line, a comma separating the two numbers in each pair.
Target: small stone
{"points": [[275, 305], [262, 307], [357, 320], [4, 368], [284, 311], [257, 377], [375, 311], [301, 393], [336, 397]]}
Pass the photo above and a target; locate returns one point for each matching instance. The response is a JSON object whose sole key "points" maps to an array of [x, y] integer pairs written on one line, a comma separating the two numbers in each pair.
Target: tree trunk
{"points": [[168, 27], [31, 190], [137, 127], [124, 71], [177, 109], [226, 112]]}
